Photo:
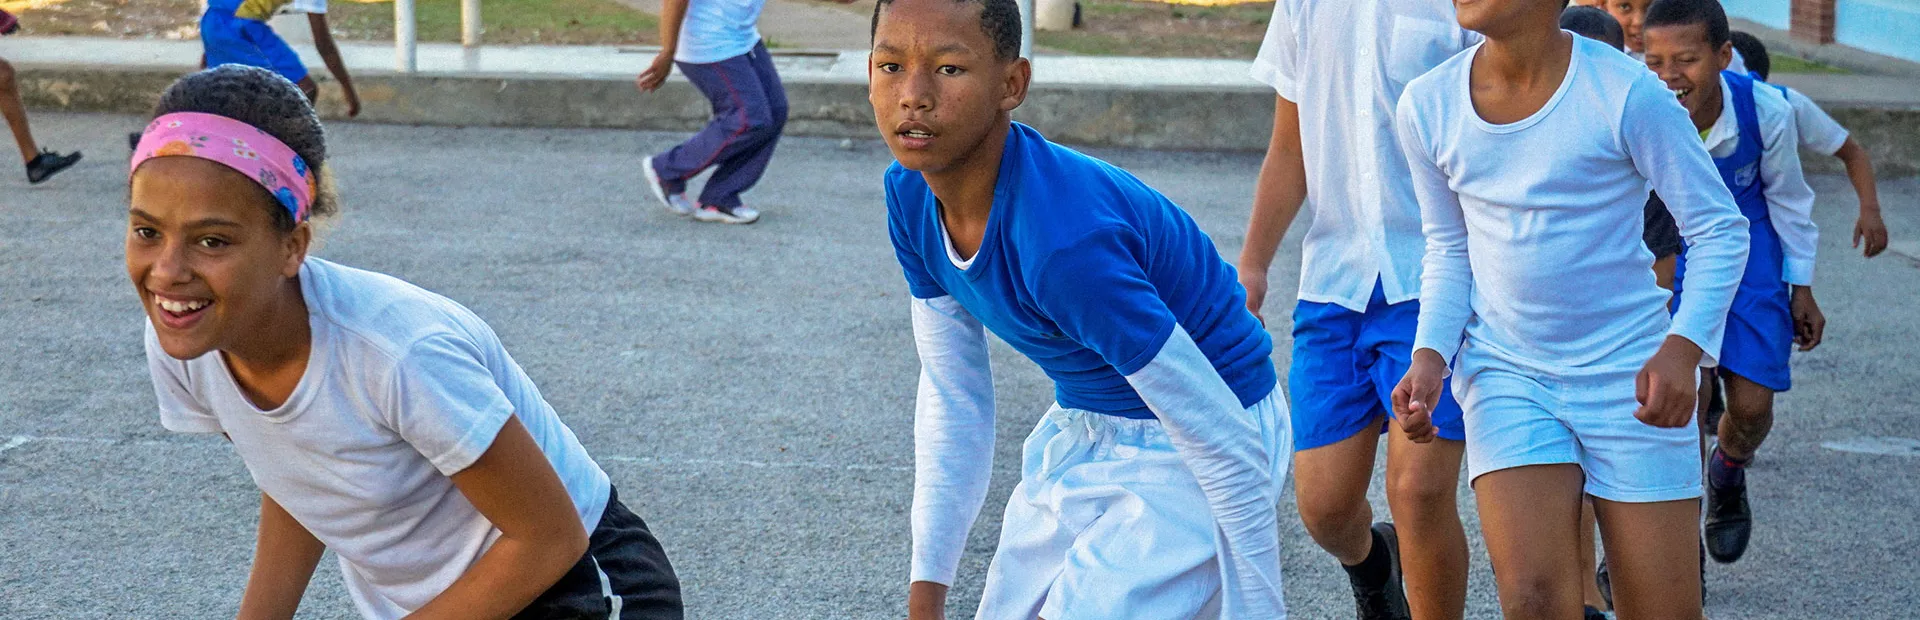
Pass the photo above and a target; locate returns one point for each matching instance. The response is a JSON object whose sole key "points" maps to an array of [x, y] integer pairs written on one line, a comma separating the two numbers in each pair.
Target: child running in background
{"points": [[1750, 130], [1337, 69], [381, 421], [41, 164], [717, 47], [236, 32], [1532, 154], [1821, 134], [1149, 489]]}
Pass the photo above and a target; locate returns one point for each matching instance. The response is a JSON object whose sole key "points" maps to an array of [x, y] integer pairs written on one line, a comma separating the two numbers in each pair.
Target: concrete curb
{"points": [[1215, 117]]}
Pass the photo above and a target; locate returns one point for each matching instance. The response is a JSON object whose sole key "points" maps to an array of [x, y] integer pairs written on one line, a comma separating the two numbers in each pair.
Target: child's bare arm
{"points": [[1860, 171], [672, 14], [283, 561], [330, 54]]}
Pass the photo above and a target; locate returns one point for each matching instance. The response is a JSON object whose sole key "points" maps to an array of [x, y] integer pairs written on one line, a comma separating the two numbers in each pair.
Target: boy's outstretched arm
{"points": [[672, 14], [952, 446], [1869, 227], [330, 54]]}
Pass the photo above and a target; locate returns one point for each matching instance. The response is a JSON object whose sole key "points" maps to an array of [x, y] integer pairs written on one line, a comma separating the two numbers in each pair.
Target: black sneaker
{"points": [[1387, 601], [1603, 579], [49, 163], [133, 141], [1716, 404], [1594, 613], [1729, 523]]}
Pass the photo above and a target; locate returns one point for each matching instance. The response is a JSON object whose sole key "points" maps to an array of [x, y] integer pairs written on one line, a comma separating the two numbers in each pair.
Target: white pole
{"points": [[406, 56], [1026, 29], [470, 23]]}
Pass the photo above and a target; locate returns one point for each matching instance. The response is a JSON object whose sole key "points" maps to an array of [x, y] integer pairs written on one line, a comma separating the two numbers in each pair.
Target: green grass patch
{"points": [[1783, 63], [505, 22]]}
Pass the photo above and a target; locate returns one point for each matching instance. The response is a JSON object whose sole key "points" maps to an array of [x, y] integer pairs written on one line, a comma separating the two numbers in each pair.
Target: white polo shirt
{"points": [[1818, 131], [1345, 64], [1789, 198]]}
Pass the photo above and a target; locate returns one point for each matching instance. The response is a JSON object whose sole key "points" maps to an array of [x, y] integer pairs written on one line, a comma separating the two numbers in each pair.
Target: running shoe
{"points": [[1729, 523], [1603, 579], [1387, 601], [727, 215], [49, 163], [676, 203], [1594, 613]]}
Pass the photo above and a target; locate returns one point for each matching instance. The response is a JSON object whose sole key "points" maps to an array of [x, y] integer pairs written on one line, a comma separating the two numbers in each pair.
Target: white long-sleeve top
{"points": [[1220, 443], [1789, 198], [1533, 228]]}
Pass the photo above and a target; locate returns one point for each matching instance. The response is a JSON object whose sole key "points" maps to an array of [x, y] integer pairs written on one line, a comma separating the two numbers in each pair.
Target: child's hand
{"points": [[1809, 325], [1256, 284], [353, 104], [1414, 397], [1667, 387], [926, 600], [656, 74], [1871, 229]]}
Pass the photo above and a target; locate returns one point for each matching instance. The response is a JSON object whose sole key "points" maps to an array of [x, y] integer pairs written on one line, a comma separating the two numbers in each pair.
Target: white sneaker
{"points": [[737, 215], [677, 203]]}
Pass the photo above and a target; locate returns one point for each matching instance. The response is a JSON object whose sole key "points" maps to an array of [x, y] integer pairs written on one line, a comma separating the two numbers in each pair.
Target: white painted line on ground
{"points": [[20, 440], [1885, 446]]}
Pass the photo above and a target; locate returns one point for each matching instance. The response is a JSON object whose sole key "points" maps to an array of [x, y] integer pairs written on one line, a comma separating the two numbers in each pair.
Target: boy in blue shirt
{"points": [[1149, 489], [1749, 129]]}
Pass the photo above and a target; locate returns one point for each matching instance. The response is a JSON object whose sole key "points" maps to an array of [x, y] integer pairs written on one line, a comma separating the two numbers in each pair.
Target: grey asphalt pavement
{"points": [[750, 388]]}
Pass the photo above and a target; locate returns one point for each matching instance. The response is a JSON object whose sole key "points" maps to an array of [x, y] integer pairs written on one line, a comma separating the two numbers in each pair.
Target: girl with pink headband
{"points": [[380, 420]]}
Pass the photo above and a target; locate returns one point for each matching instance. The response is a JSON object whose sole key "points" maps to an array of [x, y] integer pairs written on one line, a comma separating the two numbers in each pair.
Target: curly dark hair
{"points": [[1706, 13], [272, 104], [1000, 19]]}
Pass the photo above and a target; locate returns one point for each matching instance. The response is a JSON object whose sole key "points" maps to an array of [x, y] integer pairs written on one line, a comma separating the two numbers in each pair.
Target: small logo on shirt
{"points": [[1744, 176]]}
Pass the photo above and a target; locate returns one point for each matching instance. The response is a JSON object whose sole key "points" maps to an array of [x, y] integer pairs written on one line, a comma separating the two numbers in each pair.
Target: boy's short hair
{"points": [[1759, 63], [1594, 23], [1706, 13], [1000, 19]]}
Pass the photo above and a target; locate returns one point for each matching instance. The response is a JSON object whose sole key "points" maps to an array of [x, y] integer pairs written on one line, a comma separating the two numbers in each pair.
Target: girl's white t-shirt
{"points": [[403, 388]]}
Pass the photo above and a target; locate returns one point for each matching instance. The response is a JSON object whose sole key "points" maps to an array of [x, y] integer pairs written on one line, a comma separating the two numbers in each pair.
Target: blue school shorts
{"points": [[230, 40], [1345, 366]]}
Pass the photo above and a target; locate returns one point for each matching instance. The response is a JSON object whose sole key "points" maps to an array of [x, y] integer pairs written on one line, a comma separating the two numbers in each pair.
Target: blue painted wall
{"points": [[1886, 27], [1776, 14]]}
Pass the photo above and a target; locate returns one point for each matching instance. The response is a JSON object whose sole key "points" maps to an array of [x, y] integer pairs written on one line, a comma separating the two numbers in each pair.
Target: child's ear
{"points": [[296, 246], [1725, 55], [1019, 77]]}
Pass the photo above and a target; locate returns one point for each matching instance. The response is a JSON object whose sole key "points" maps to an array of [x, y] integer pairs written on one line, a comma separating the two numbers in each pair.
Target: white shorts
{"points": [[1517, 417], [1108, 522]]}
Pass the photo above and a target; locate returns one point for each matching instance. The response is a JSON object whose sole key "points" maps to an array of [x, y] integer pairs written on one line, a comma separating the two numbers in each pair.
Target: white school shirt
{"points": [[1344, 63], [403, 388], [1818, 131], [716, 30], [1533, 227], [1789, 198]]}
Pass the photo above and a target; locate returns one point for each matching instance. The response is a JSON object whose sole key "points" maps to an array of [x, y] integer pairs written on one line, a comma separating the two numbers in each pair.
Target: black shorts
{"points": [[624, 576], [1661, 235]]}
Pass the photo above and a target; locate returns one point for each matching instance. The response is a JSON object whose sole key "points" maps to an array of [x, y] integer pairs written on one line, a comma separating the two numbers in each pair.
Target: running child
{"points": [[1821, 134], [41, 164], [381, 421], [1338, 68], [236, 32], [1148, 490], [1532, 154], [717, 47], [1750, 130]]}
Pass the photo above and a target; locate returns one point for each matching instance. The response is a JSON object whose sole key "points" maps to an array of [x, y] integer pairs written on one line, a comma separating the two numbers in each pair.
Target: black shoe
{"points": [[49, 163], [1603, 580], [1386, 601], [1729, 523], [133, 141], [1595, 614], [1716, 405]]}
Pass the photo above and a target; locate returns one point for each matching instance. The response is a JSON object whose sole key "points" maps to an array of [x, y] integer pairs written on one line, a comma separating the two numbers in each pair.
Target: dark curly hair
{"points": [[272, 104], [1000, 19]]}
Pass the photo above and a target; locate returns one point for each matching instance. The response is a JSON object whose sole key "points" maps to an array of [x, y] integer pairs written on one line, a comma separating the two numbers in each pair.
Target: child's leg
{"points": [[15, 113], [1749, 417], [1530, 517], [1330, 489], [1653, 555], [1336, 422], [1421, 493], [1589, 565], [740, 115], [739, 172]]}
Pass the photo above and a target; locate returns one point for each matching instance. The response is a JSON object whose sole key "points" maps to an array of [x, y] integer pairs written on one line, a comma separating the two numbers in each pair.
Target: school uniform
{"points": [[1755, 146], [1148, 490], [403, 389], [236, 32], [722, 53], [1534, 285], [1817, 130], [1345, 64]]}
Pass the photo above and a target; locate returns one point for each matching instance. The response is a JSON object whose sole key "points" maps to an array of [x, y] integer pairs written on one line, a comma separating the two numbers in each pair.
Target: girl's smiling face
{"points": [[205, 255]]}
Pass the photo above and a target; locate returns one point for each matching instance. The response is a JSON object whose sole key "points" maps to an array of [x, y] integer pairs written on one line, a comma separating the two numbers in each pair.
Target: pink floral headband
{"points": [[236, 145]]}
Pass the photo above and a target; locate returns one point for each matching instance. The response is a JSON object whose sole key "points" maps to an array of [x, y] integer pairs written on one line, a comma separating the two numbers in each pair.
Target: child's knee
{"points": [[1536, 595], [1420, 495], [1324, 513], [6, 76]]}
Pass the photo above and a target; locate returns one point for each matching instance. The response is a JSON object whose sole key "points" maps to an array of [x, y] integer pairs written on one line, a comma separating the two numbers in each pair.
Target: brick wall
{"points": [[1813, 20]]}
